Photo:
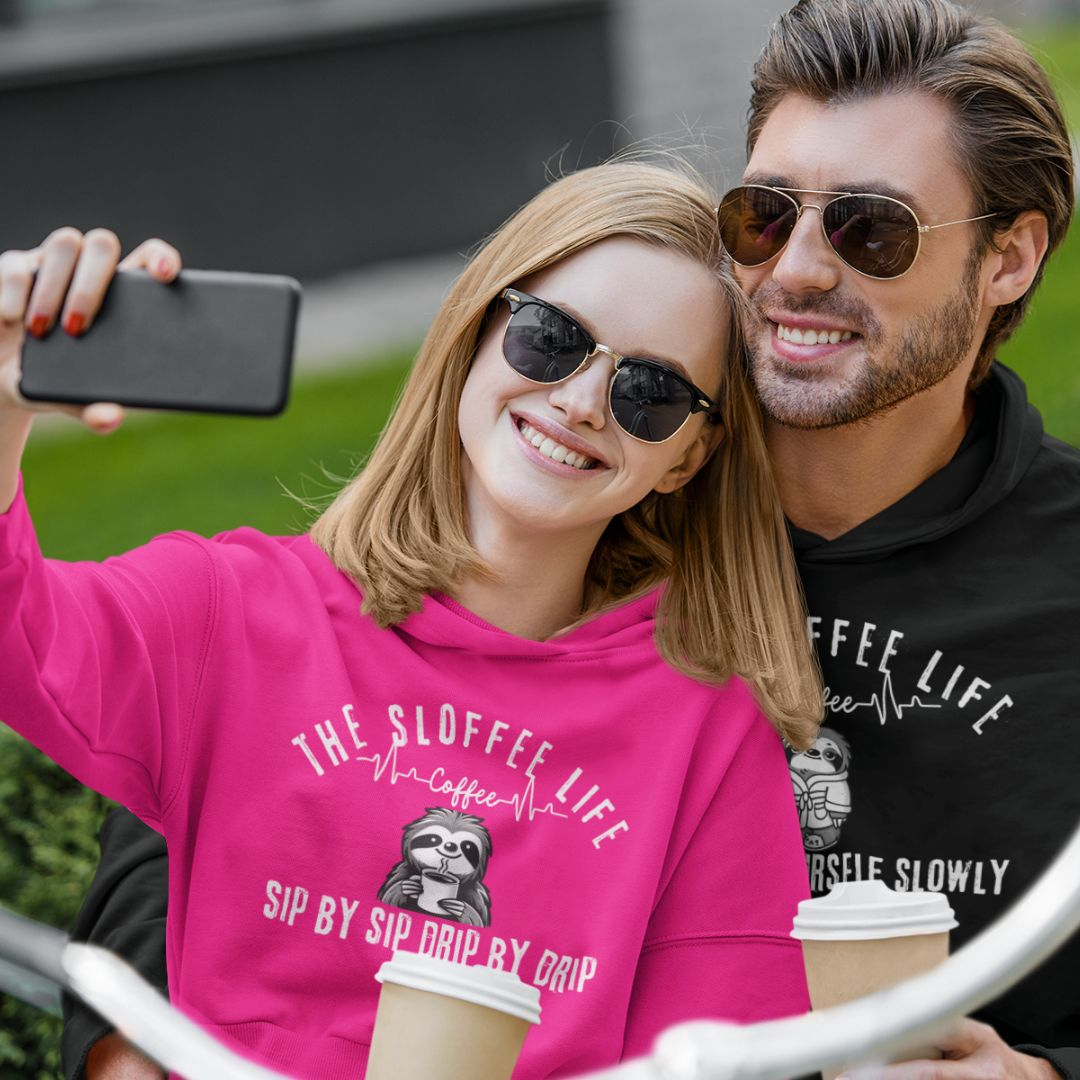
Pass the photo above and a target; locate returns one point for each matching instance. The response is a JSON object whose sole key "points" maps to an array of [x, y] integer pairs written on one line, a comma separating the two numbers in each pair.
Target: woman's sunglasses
{"points": [[877, 236], [648, 400]]}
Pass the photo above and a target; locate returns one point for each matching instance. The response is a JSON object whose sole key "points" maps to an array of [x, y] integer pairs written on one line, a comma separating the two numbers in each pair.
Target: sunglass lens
{"points": [[542, 345], [876, 236], [648, 403], [755, 223]]}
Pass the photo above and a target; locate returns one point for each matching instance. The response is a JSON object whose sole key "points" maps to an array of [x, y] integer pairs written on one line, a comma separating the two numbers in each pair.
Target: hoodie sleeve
{"points": [[101, 662], [719, 945], [1066, 1059]]}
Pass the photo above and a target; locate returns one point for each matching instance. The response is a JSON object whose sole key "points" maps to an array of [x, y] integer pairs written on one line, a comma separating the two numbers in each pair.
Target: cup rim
{"points": [[500, 990], [870, 910]]}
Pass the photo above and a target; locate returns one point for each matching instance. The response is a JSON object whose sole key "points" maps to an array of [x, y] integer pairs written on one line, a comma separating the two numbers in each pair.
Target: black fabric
{"points": [[124, 911], [1067, 1062], [948, 628]]}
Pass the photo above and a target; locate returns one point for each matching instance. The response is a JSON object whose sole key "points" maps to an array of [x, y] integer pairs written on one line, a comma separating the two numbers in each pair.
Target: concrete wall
{"points": [[683, 72]]}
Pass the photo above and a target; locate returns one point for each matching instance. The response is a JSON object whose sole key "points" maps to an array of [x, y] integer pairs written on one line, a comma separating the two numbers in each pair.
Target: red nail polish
{"points": [[75, 323], [38, 325]]}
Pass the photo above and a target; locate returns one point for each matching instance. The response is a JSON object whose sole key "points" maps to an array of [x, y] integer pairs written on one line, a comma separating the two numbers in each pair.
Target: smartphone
{"points": [[211, 341]]}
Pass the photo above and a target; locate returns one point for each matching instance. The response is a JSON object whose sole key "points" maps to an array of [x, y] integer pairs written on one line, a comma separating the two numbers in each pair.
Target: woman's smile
{"points": [[554, 448]]}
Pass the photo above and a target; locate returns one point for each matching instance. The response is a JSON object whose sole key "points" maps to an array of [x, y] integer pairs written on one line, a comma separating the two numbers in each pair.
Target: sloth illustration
{"points": [[444, 856], [819, 776]]}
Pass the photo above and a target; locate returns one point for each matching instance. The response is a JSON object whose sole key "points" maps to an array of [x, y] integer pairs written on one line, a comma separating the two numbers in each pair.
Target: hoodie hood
{"points": [[999, 447], [444, 622]]}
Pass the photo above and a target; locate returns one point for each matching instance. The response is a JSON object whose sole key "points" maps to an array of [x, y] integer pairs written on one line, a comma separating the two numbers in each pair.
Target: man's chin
{"points": [[809, 399]]}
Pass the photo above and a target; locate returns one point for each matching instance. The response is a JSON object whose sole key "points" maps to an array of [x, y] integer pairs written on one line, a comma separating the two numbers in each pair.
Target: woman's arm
{"points": [[99, 662]]}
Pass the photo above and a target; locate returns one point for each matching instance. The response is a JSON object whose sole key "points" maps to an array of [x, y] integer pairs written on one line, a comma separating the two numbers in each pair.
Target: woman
{"points": [[505, 703]]}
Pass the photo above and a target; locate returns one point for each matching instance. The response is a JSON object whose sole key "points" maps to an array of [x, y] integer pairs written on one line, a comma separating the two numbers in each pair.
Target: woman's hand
{"points": [[61, 284]]}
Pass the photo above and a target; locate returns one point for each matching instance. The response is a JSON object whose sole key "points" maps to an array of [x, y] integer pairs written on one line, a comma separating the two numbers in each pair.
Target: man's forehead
{"points": [[897, 144]]}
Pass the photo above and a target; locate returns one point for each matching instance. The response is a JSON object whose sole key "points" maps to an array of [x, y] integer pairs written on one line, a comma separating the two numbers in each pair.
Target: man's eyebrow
{"points": [[862, 187]]}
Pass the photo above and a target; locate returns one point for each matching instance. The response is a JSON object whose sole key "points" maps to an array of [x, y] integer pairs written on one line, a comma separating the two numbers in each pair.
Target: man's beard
{"points": [[931, 348]]}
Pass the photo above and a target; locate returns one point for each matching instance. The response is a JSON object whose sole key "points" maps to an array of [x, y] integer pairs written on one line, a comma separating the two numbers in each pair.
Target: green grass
{"points": [[94, 497]]}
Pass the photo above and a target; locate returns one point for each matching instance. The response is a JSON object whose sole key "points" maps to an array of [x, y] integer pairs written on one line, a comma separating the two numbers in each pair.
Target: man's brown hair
{"points": [[1010, 136]]}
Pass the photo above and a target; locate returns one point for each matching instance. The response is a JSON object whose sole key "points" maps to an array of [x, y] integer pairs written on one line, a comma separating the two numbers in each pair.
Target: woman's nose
{"points": [[582, 398]]}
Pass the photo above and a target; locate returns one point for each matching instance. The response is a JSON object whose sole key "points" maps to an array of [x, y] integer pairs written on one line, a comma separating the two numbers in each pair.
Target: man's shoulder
{"points": [[1055, 468], [1057, 454]]}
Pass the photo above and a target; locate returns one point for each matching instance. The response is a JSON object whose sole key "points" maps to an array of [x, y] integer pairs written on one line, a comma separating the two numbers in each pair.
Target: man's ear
{"points": [[1021, 249], [696, 455]]}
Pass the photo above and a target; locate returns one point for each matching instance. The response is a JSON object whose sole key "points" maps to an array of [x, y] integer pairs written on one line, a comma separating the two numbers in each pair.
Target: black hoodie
{"points": [[948, 628]]}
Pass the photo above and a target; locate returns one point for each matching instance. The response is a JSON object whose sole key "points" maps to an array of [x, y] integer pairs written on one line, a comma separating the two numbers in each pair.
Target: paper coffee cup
{"points": [[438, 1020], [863, 937]]}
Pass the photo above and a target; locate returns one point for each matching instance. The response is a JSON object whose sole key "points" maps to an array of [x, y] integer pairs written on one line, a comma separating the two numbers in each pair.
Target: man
{"points": [[936, 526]]}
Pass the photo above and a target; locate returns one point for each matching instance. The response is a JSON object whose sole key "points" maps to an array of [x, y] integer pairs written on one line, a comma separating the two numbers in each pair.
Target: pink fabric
{"points": [[635, 851]]}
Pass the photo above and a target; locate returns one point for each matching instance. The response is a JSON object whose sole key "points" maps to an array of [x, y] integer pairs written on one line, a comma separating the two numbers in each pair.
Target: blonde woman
{"points": [[509, 701]]}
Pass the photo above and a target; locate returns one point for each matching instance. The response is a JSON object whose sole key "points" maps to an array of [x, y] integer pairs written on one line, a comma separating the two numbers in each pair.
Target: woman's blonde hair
{"points": [[733, 602]]}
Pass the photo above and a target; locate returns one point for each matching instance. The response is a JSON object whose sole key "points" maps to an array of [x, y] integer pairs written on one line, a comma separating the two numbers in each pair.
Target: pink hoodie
{"points": [[574, 810]]}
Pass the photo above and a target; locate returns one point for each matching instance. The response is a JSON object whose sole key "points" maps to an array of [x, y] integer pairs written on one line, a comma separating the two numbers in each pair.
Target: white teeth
{"points": [[811, 337], [556, 451]]}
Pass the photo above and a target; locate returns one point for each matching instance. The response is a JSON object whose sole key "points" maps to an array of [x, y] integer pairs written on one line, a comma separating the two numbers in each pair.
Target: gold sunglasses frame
{"points": [[788, 193]]}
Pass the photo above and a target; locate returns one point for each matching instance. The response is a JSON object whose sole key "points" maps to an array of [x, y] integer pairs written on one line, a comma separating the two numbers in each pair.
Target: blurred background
{"points": [[363, 146]]}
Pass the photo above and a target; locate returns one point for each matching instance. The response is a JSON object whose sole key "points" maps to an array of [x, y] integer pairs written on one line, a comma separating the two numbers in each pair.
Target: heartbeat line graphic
{"points": [[883, 704], [465, 791]]}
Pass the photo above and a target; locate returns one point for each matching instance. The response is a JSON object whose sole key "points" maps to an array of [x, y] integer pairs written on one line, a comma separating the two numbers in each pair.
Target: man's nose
{"points": [[583, 397], [807, 263]]}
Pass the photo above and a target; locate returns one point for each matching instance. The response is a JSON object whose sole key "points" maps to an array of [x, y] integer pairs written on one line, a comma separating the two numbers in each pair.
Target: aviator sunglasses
{"points": [[648, 400], [876, 235]]}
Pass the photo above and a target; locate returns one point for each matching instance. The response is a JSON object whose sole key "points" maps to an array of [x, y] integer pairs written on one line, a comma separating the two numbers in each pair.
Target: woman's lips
{"points": [[549, 464]]}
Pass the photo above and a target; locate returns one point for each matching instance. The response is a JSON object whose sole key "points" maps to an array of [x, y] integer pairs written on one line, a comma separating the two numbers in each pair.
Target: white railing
{"points": [[872, 1029]]}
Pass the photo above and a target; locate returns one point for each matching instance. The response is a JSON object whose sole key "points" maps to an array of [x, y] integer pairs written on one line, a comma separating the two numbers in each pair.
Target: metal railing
{"points": [[872, 1029]]}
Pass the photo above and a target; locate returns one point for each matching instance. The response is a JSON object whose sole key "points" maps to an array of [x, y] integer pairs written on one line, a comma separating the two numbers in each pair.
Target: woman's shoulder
{"points": [[246, 559]]}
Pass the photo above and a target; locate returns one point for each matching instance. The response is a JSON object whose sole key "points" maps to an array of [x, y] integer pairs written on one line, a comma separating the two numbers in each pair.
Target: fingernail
{"points": [[164, 267], [38, 325], [75, 323]]}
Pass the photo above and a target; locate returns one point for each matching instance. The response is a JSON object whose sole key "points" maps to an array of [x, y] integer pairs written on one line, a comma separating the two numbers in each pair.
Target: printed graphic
{"points": [[820, 779], [444, 856]]}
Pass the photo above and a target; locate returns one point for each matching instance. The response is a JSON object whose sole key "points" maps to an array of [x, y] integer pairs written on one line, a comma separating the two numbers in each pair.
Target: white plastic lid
{"points": [[500, 990], [865, 910]]}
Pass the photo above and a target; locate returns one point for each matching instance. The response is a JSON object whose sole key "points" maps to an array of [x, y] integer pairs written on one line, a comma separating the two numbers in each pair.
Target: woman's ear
{"points": [[1020, 252], [696, 455]]}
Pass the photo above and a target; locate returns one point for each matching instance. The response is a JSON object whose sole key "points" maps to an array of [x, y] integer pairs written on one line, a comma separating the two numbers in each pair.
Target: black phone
{"points": [[211, 341]]}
